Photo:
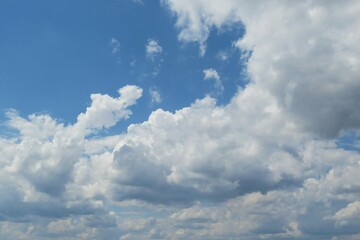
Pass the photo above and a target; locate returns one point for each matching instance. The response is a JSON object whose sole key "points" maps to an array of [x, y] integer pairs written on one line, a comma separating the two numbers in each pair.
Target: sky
{"points": [[179, 119]]}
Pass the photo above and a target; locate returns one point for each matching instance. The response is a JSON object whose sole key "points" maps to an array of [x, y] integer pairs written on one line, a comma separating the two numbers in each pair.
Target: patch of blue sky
{"points": [[56, 53], [349, 141]]}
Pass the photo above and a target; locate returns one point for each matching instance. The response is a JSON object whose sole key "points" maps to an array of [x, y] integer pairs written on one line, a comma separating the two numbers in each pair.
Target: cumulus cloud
{"points": [[265, 165], [297, 53], [106, 111], [38, 165], [153, 49], [204, 151]]}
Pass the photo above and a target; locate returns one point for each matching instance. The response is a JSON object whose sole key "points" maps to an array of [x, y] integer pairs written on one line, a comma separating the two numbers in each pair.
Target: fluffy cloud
{"points": [[265, 165], [106, 111], [211, 160], [263, 141], [37, 166], [304, 53]]}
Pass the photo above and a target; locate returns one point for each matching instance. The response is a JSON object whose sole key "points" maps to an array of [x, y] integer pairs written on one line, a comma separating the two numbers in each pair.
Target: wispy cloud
{"points": [[211, 73], [153, 49], [222, 56], [155, 95], [115, 45], [141, 2]]}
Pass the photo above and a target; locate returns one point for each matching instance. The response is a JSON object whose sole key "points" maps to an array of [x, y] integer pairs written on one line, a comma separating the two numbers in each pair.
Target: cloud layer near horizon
{"points": [[266, 165]]}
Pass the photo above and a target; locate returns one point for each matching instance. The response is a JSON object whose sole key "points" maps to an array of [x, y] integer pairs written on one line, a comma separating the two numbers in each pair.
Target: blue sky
{"points": [[179, 119], [61, 52]]}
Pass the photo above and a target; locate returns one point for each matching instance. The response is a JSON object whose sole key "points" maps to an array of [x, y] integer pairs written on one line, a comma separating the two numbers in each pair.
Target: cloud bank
{"points": [[266, 165]]}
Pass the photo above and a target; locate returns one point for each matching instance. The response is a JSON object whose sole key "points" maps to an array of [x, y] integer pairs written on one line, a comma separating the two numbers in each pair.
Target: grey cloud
{"points": [[167, 158]]}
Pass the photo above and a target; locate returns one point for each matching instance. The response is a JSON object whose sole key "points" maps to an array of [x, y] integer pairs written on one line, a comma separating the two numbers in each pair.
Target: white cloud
{"points": [[210, 159], [106, 111], [196, 18], [153, 49], [38, 165], [213, 74], [347, 217], [268, 177], [266, 165], [297, 54]]}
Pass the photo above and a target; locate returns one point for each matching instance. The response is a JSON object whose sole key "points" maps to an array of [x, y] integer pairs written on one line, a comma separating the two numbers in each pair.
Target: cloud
{"points": [[348, 217], [262, 149], [153, 49], [207, 171], [266, 165], [211, 160], [138, 2], [106, 111], [213, 74], [39, 164], [223, 56], [196, 18], [309, 69], [155, 95], [115, 45]]}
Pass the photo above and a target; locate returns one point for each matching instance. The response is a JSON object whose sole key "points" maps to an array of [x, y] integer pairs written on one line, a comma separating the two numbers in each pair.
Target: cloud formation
{"points": [[38, 164], [266, 165], [297, 53]]}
